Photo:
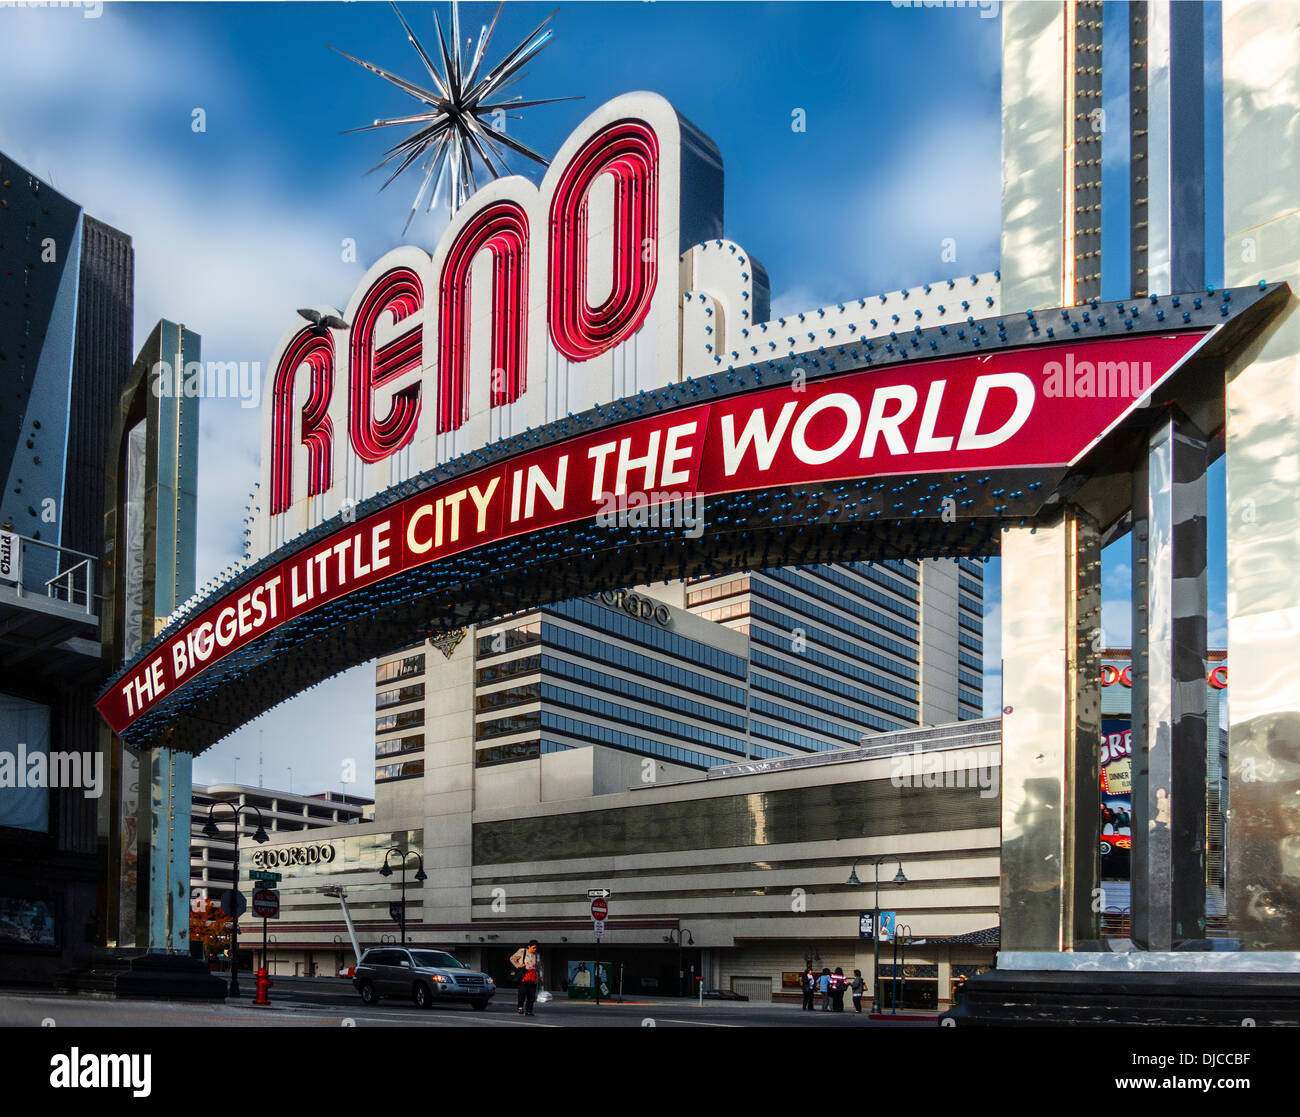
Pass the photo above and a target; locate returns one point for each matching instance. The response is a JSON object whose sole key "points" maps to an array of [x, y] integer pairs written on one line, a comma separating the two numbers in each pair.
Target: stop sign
{"points": [[599, 909]]}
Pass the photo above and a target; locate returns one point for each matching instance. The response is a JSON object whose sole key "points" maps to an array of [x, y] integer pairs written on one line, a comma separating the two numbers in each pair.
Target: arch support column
{"points": [[1051, 725]]}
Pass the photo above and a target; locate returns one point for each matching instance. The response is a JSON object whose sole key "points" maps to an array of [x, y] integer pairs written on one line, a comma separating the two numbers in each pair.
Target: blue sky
{"points": [[238, 224]]}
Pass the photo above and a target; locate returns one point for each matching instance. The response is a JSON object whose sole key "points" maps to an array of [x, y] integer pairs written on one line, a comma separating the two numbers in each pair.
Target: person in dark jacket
{"points": [[809, 986], [839, 983], [858, 986]]}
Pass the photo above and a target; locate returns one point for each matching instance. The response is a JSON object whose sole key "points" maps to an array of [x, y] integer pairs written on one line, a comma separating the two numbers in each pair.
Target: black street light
{"points": [[902, 936], [386, 871], [210, 831], [899, 878], [676, 936]]}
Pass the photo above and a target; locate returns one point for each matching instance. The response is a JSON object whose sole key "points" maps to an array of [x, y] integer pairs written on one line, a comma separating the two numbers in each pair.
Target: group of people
{"points": [[832, 985]]}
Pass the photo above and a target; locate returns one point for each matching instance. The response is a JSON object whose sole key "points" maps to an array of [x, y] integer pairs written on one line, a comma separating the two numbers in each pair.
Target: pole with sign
{"points": [[599, 913], [266, 903]]}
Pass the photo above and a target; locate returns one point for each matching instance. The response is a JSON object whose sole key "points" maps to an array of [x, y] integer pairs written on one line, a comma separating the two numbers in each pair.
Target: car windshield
{"points": [[435, 959]]}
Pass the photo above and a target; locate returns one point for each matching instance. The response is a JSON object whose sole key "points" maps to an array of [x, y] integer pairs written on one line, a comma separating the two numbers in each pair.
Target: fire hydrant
{"points": [[263, 983]]}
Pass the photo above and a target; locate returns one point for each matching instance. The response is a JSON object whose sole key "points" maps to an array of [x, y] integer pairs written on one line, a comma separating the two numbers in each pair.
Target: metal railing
{"points": [[71, 574]]}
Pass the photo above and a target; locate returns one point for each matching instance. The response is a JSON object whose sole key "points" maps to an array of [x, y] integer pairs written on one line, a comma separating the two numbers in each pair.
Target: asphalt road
{"points": [[325, 1002]]}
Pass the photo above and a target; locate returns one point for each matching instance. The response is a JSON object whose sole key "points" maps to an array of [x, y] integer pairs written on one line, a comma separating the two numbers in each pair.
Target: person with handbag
{"points": [[525, 963], [809, 988]]}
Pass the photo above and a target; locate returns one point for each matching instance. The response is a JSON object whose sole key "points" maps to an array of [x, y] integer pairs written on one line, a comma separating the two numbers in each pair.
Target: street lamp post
{"points": [[260, 836], [899, 878], [386, 871], [676, 936], [899, 930], [903, 935]]}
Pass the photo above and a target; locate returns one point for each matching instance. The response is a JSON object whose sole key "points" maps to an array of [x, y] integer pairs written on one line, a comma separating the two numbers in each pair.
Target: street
{"points": [[327, 1002]]}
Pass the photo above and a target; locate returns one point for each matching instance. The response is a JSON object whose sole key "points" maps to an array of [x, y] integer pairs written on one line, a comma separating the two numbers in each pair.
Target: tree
{"points": [[210, 926]]}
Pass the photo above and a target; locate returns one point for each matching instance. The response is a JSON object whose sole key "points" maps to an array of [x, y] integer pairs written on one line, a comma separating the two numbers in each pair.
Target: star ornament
{"points": [[462, 121]]}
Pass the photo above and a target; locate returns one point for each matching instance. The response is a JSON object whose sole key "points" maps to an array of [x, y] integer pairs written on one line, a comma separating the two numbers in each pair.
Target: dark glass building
{"points": [[66, 310]]}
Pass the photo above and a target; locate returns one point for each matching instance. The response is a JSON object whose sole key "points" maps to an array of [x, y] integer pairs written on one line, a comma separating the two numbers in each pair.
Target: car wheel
{"points": [[368, 994], [1106, 848], [422, 997], [479, 1006]]}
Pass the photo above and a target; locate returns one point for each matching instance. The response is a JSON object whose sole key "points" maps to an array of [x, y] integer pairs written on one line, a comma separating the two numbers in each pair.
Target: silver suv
{"points": [[426, 976]]}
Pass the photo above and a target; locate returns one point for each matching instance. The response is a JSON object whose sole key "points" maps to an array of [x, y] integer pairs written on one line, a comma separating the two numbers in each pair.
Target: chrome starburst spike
{"points": [[462, 120]]}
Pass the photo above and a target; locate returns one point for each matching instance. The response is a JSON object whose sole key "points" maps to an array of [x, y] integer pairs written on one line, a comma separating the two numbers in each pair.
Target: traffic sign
{"points": [[599, 909], [266, 903], [597, 893], [233, 903], [262, 874], [598, 926]]}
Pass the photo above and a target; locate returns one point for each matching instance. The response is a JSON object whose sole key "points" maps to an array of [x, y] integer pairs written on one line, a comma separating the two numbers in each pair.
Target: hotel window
{"points": [[503, 727], [413, 743], [400, 669], [511, 696], [407, 719], [399, 697], [399, 771], [725, 612], [525, 665], [498, 641], [719, 590]]}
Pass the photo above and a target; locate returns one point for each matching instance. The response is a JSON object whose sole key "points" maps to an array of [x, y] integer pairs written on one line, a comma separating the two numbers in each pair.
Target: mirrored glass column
{"points": [[1169, 655], [1051, 726]]}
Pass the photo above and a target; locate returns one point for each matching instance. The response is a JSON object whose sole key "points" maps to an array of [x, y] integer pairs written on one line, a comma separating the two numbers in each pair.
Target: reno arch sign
{"points": [[536, 303], [596, 338]]}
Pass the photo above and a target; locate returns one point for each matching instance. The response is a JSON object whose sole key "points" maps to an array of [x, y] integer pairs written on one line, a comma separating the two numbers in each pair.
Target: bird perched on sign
{"points": [[316, 318]]}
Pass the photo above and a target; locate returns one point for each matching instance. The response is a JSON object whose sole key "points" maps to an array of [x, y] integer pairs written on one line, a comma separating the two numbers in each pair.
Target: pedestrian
{"points": [[525, 962], [859, 987], [824, 988], [839, 983], [809, 985]]}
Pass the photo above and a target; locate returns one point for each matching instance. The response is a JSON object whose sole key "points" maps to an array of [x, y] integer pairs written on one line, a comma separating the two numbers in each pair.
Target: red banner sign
{"points": [[1006, 409]]}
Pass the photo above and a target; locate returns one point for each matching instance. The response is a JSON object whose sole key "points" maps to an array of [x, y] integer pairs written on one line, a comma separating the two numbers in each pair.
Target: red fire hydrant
{"points": [[263, 983]]}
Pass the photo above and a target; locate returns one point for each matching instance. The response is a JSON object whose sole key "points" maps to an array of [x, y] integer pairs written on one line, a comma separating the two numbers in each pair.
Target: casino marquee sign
{"points": [[449, 448]]}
